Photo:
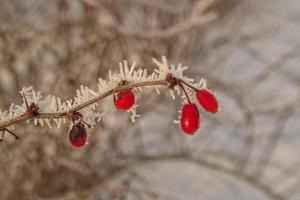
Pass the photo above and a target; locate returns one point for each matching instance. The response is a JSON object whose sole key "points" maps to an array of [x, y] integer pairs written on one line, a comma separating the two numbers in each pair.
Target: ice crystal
{"points": [[130, 74]]}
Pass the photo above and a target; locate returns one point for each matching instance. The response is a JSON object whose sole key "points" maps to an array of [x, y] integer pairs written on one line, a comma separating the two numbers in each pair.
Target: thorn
{"points": [[32, 110], [25, 101]]}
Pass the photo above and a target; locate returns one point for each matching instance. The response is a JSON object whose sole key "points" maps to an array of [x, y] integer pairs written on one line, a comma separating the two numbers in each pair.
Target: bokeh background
{"points": [[249, 55]]}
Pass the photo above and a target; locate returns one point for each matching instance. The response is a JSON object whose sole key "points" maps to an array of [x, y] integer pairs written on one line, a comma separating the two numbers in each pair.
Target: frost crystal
{"points": [[130, 74]]}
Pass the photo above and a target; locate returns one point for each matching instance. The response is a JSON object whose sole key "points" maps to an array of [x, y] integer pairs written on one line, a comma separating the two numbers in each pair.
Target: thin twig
{"points": [[184, 91], [189, 85], [10, 132]]}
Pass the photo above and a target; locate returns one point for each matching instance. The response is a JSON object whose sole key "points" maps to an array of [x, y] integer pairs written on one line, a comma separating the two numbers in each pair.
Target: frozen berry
{"points": [[78, 135], [207, 100], [124, 100], [190, 118]]}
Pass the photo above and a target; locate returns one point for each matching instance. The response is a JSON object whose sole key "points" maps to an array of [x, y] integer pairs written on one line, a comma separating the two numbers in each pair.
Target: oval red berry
{"points": [[207, 100], [190, 118], [124, 100], [78, 135]]}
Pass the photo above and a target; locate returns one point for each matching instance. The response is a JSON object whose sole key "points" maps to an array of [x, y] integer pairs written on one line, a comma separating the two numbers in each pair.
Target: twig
{"points": [[6, 130], [24, 117], [184, 91], [189, 85]]}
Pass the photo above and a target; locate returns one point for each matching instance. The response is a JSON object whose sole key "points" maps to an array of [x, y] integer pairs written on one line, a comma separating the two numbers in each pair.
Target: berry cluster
{"points": [[190, 117]]}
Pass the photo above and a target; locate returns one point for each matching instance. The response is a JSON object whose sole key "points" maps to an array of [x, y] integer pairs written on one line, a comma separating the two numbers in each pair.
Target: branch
{"points": [[81, 110], [57, 115]]}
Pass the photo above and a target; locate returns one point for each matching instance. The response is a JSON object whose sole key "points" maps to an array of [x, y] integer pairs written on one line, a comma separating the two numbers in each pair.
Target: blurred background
{"points": [[249, 55]]}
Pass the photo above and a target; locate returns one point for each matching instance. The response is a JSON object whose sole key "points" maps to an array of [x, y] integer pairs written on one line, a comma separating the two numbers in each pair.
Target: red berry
{"points": [[190, 118], [207, 100], [124, 100], [78, 135]]}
